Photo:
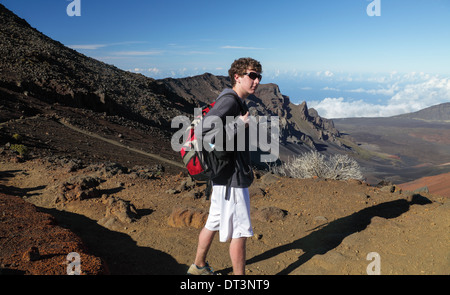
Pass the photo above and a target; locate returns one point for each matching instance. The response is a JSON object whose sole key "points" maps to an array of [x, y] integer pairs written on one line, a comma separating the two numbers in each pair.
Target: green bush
{"points": [[17, 137], [20, 149]]}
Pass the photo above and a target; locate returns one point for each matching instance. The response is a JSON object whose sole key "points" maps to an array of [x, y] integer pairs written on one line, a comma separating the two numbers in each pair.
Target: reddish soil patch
{"points": [[32, 243], [438, 184]]}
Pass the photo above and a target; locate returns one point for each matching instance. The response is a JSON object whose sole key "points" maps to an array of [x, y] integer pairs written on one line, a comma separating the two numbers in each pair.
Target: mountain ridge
{"points": [[301, 129], [34, 65], [435, 113]]}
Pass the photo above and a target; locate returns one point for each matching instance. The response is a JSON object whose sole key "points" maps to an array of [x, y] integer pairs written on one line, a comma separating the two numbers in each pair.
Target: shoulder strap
{"points": [[243, 108]]}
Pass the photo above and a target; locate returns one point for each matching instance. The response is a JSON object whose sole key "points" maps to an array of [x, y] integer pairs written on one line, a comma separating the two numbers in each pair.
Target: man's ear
{"points": [[236, 77]]}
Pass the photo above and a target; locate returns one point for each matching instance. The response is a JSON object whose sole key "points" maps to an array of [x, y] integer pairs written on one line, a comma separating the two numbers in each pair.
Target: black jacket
{"points": [[229, 104]]}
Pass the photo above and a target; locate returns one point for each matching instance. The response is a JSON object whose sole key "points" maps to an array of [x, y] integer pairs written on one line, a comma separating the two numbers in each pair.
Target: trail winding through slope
{"points": [[94, 135]]}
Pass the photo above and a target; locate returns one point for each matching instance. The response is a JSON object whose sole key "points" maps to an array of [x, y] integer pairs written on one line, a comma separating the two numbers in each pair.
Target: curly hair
{"points": [[240, 67]]}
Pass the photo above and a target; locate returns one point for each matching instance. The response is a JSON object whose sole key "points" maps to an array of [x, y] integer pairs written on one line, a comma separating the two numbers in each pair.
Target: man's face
{"points": [[250, 81]]}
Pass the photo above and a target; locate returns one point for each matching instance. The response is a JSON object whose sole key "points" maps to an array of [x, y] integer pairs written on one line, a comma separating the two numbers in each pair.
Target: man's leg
{"points": [[237, 255], [205, 239]]}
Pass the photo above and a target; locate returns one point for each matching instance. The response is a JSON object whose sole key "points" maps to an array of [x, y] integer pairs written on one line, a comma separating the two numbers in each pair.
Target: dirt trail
{"points": [[116, 143]]}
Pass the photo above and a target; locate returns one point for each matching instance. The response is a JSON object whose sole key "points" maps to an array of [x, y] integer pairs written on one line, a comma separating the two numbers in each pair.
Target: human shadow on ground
{"points": [[331, 235], [8, 174], [20, 192], [120, 252], [16, 191]]}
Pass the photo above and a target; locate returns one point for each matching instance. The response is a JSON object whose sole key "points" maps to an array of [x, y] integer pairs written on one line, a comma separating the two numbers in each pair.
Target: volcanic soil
{"points": [[139, 221]]}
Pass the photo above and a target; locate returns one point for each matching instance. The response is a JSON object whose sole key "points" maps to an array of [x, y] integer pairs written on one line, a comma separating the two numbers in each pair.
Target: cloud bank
{"points": [[405, 96]]}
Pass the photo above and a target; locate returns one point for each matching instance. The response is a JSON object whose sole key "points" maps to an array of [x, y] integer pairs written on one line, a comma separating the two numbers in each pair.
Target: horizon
{"points": [[333, 54]]}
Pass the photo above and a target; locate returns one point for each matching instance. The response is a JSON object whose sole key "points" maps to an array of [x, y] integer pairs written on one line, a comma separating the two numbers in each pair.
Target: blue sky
{"points": [[331, 54]]}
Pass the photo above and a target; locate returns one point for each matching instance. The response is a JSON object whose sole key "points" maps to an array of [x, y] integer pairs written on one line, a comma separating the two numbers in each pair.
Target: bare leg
{"points": [[237, 255], [204, 243]]}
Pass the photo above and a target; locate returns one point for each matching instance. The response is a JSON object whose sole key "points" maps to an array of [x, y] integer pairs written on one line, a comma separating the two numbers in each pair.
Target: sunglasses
{"points": [[253, 76]]}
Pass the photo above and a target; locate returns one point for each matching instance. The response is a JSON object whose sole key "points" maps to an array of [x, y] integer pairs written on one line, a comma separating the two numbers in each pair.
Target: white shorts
{"points": [[230, 215]]}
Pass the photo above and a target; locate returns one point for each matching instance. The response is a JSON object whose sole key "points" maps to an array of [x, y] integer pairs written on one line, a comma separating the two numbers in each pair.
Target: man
{"points": [[230, 201]]}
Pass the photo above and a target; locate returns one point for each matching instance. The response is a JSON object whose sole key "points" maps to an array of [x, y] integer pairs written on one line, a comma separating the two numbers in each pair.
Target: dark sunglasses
{"points": [[253, 76]]}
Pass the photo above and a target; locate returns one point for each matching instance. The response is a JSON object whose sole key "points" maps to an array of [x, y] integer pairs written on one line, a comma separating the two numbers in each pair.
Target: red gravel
{"points": [[32, 243]]}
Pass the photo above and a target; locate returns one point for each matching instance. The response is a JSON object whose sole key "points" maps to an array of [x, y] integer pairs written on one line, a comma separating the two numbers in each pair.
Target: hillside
{"points": [[34, 65], [437, 184], [42, 77], [402, 148], [437, 113]]}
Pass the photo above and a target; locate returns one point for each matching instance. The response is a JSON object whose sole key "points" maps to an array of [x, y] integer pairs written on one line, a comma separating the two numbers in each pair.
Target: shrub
{"points": [[19, 148], [342, 167], [17, 137], [314, 164]]}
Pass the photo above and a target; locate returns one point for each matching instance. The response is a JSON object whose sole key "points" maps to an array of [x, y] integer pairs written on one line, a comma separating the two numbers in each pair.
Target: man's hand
{"points": [[245, 119]]}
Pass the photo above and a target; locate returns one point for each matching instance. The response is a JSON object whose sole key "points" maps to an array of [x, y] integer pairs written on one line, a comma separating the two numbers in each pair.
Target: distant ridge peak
{"points": [[436, 113]]}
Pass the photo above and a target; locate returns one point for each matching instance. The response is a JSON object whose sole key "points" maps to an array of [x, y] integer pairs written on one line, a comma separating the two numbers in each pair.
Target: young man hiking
{"points": [[230, 201]]}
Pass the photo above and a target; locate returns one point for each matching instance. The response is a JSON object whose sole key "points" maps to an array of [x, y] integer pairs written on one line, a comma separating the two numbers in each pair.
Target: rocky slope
{"points": [[35, 66], [301, 129]]}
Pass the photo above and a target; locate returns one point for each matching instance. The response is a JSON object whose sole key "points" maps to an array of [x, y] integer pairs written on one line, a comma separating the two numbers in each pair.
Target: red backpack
{"points": [[193, 158], [204, 166]]}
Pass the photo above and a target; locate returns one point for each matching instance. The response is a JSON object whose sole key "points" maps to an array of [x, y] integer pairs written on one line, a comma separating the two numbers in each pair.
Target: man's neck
{"points": [[242, 94]]}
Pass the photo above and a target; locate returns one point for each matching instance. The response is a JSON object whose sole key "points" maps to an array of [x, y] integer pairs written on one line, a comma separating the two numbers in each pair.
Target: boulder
{"points": [[185, 217], [269, 214]]}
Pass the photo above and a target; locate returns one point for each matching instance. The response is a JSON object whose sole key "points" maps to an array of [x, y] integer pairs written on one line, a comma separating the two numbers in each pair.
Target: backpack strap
{"points": [[243, 108], [208, 189]]}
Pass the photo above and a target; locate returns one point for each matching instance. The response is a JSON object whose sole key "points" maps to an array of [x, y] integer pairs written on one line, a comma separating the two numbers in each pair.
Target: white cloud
{"points": [[154, 70], [137, 53], [241, 47], [389, 90], [327, 74], [339, 108], [331, 89], [433, 91], [87, 46], [406, 98], [97, 46]]}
